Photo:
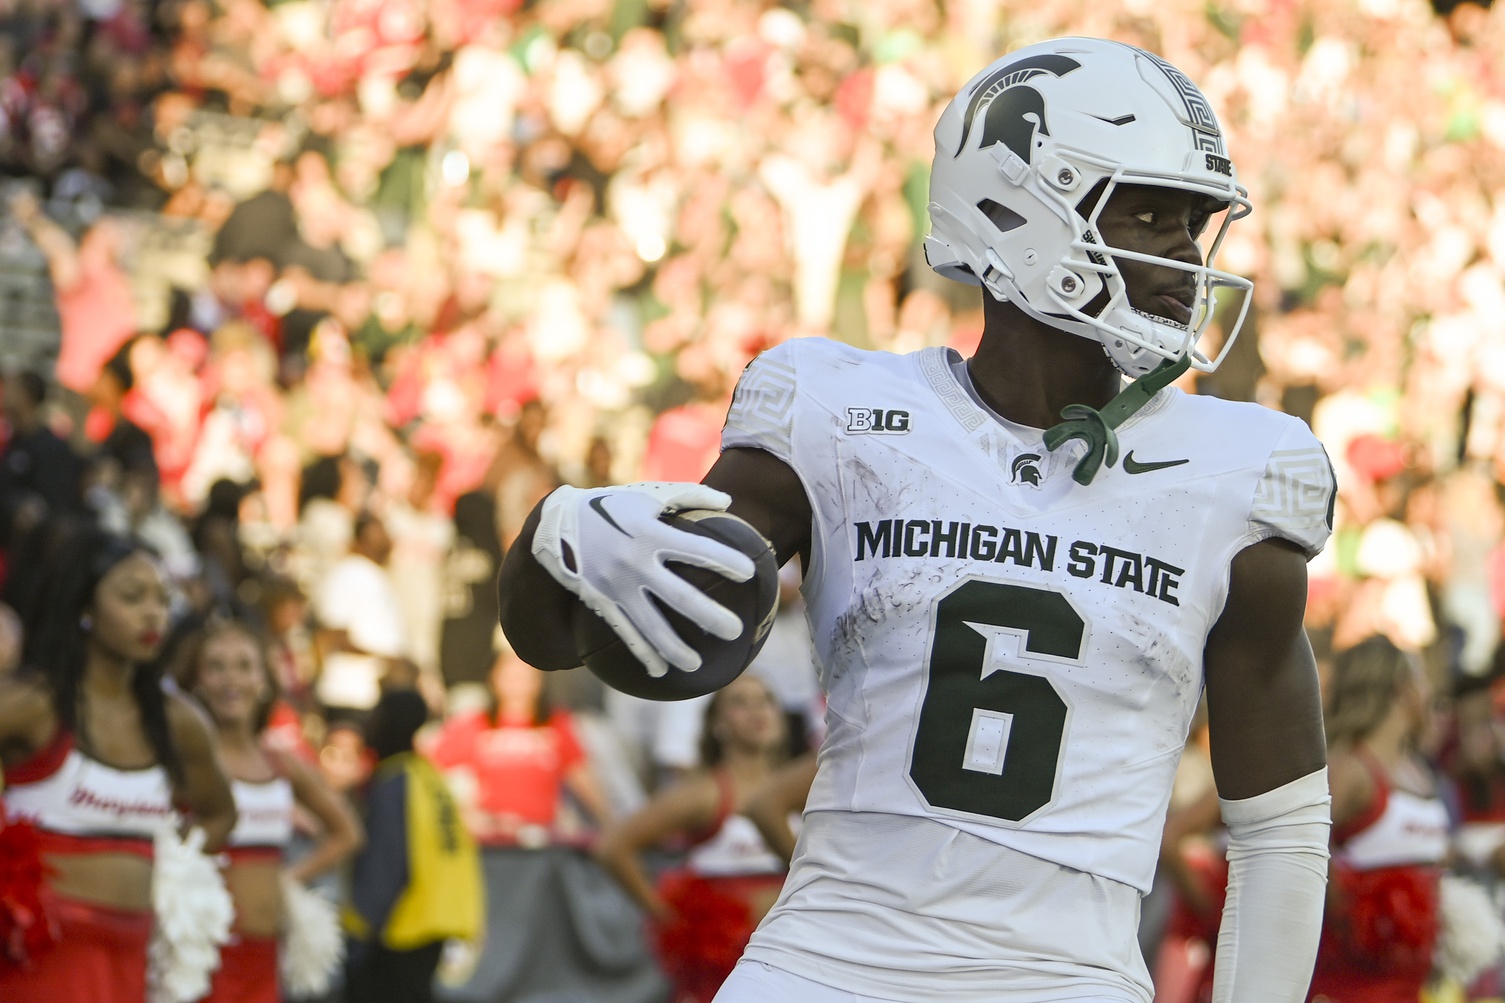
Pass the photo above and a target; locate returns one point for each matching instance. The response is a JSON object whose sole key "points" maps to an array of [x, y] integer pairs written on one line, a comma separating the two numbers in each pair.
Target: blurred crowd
{"points": [[432, 258]]}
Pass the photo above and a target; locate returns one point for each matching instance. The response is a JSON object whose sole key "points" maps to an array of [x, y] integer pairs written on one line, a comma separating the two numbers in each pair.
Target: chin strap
{"points": [[1095, 428]]}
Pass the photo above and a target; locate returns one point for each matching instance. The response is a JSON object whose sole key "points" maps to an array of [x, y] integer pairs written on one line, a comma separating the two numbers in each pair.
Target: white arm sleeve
{"points": [[1277, 879]]}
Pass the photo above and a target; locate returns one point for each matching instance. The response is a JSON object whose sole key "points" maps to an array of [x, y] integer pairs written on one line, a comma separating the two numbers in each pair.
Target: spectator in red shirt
{"points": [[509, 767], [684, 441], [93, 295]]}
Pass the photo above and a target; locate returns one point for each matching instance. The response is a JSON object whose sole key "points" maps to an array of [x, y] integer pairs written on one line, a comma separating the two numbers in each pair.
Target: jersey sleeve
{"points": [[1296, 493], [762, 411]]}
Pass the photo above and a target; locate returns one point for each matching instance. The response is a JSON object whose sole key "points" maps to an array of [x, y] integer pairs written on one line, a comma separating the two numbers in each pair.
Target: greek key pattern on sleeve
{"points": [[763, 405], [1295, 497]]}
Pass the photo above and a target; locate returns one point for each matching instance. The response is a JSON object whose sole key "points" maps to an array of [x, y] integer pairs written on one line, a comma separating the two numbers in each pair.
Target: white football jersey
{"points": [[1004, 651]]}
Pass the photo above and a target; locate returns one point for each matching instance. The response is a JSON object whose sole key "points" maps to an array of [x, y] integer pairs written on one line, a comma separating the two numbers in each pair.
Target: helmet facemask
{"points": [[1136, 340]]}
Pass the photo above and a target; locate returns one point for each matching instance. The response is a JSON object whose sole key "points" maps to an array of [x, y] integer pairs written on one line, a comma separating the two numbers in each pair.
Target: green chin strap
{"points": [[1095, 428]]}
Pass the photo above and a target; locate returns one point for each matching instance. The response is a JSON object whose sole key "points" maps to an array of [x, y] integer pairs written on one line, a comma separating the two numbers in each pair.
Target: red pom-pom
{"points": [[26, 927], [1389, 918], [699, 947]]}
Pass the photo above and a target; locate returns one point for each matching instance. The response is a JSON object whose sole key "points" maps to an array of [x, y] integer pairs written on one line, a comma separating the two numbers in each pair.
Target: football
{"points": [[755, 601]]}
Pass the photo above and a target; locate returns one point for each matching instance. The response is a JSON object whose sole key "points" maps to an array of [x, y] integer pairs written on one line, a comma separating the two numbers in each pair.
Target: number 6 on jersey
{"points": [[989, 742]]}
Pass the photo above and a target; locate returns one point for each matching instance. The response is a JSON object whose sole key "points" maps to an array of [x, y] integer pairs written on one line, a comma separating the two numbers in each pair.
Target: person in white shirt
{"points": [[360, 624]]}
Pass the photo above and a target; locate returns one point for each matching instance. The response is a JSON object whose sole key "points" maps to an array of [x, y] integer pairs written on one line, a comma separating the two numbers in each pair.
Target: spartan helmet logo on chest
{"points": [[1026, 469]]}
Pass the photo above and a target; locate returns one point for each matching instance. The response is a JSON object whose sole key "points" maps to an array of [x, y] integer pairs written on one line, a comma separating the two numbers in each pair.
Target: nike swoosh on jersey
{"points": [[1133, 466], [595, 503]]}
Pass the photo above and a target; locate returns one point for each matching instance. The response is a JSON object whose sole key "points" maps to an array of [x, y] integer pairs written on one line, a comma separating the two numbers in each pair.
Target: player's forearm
{"points": [[535, 610], [1277, 880]]}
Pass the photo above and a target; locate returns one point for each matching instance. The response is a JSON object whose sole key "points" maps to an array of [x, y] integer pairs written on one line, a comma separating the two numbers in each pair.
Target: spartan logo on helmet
{"points": [[1015, 111], [1026, 469]]}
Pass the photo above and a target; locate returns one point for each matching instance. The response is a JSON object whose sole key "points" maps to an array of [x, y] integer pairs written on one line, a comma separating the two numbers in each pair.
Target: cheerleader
{"points": [[1390, 832], [227, 671], [99, 758], [704, 912]]}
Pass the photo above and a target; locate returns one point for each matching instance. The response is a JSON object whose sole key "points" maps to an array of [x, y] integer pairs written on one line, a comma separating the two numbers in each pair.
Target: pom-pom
{"points": [[700, 945], [1388, 919], [26, 927], [312, 944], [194, 914], [1473, 934]]}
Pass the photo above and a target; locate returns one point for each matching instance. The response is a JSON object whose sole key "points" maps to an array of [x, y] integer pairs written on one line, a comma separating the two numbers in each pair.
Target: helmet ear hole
{"points": [[1002, 216]]}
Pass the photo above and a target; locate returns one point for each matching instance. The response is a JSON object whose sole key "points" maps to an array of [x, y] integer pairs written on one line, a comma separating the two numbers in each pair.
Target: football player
{"points": [[1022, 573]]}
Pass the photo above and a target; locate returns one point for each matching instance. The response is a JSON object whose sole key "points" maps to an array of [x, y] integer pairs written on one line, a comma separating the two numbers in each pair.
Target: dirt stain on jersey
{"points": [[869, 606], [869, 485], [875, 601], [1175, 679]]}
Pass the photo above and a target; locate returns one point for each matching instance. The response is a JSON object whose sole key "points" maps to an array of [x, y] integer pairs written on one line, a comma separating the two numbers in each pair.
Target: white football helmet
{"points": [[1020, 146]]}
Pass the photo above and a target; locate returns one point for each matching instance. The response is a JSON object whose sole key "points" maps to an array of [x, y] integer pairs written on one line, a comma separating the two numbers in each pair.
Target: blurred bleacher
{"points": [[28, 318]]}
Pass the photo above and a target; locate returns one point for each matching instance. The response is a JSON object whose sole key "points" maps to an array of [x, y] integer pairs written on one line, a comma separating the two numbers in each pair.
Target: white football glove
{"points": [[609, 547]]}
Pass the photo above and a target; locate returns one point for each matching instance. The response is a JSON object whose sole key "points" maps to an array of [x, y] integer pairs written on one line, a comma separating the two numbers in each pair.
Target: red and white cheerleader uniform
{"points": [[714, 895], [81, 806], [1377, 941], [263, 831]]}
